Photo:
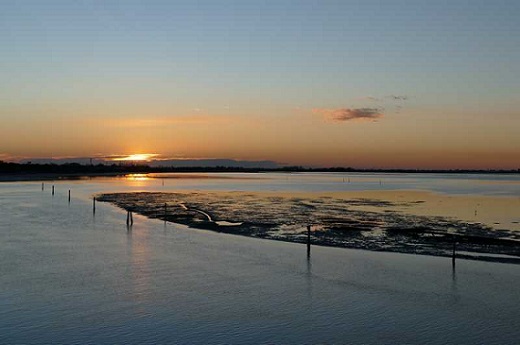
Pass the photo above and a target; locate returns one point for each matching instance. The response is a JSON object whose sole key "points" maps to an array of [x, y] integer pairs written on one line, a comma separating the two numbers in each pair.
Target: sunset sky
{"points": [[372, 84]]}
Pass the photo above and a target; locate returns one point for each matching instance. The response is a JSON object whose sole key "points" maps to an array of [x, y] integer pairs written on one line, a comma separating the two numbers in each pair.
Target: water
{"points": [[69, 276], [474, 184]]}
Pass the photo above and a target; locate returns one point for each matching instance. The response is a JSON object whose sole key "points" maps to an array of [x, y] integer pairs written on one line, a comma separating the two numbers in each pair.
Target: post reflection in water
{"points": [[453, 274], [140, 266], [454, 289], [309, 279]]}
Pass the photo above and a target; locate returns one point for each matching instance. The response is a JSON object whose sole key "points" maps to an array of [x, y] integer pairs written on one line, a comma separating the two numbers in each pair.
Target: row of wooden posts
{"points": [[93, 200], [130, 218], [129, 215], [130, 222]]}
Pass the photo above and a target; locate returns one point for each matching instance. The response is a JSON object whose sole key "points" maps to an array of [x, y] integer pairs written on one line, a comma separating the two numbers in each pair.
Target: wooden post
{"points": [[52, 190], [131, 218], [308, 240], [43, 186], [127, 218], [69, 196], [94, 205]]}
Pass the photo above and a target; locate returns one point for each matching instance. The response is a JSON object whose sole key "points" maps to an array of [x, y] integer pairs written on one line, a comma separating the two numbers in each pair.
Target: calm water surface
{"points": [[476, 184], [69, 276]]}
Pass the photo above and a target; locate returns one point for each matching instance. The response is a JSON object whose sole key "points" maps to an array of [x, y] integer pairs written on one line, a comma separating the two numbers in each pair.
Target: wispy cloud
{"points": [[5, 157], [398, 97], [384, 99], [350, 114], [166, 120]]}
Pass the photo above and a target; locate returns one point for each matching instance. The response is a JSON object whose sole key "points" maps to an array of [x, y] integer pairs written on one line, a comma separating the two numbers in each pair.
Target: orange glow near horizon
{"points": [[415, 138]]}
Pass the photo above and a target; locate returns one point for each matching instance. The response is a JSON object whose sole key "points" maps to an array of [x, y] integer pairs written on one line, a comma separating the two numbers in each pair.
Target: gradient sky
{"points": [[418, 84]]}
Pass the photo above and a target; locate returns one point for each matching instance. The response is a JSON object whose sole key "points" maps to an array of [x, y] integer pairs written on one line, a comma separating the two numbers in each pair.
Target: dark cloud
{"points": [[348, 114]]}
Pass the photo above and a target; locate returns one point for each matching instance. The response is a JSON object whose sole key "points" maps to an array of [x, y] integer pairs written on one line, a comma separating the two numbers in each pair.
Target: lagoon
{"points": [[71, 276]]}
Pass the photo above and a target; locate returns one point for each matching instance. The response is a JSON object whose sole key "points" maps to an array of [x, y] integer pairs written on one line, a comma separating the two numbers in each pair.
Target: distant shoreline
{"points": [[11, 172], [35, 177]]}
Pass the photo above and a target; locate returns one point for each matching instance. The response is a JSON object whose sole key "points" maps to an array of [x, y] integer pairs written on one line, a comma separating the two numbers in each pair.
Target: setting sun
{"points": [[137, 157]]}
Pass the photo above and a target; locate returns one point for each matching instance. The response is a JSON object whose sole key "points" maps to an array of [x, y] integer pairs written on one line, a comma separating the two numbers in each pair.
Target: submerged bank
{"points": [[395, 224]]}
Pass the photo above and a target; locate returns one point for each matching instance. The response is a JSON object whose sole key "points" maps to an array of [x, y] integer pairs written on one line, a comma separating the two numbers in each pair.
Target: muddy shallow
{"points": [[398, 222]]}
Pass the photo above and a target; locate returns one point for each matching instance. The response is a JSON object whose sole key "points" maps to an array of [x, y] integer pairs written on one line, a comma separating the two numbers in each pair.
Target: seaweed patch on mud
{"points": [[334, 222]]}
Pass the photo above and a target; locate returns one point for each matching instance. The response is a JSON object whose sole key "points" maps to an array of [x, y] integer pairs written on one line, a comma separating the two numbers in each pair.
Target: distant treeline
{"points": [[7, 168], [70, 168]]}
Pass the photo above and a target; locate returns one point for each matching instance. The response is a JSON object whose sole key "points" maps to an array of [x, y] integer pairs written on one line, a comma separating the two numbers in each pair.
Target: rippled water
{"points": [[70, 276]]}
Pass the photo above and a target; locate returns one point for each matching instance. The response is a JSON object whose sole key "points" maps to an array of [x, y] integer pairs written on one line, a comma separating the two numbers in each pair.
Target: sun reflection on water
{"points": [[137, 177], [137, 180]]}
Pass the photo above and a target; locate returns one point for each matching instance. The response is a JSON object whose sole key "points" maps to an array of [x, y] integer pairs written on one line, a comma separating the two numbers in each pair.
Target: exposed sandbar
{"points": [[400, 221]]}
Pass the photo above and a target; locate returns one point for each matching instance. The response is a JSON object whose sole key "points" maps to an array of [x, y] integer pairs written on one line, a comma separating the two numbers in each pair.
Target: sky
{"points": [[367, 84]]}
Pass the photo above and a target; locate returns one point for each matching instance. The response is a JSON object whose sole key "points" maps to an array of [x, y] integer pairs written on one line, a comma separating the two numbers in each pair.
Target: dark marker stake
{"points": [[94, 205], [43, 186], [52, 190], [69, 196]]}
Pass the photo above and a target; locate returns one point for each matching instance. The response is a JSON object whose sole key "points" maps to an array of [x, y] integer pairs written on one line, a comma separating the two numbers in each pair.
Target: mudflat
{"points": [[479, 227]]}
